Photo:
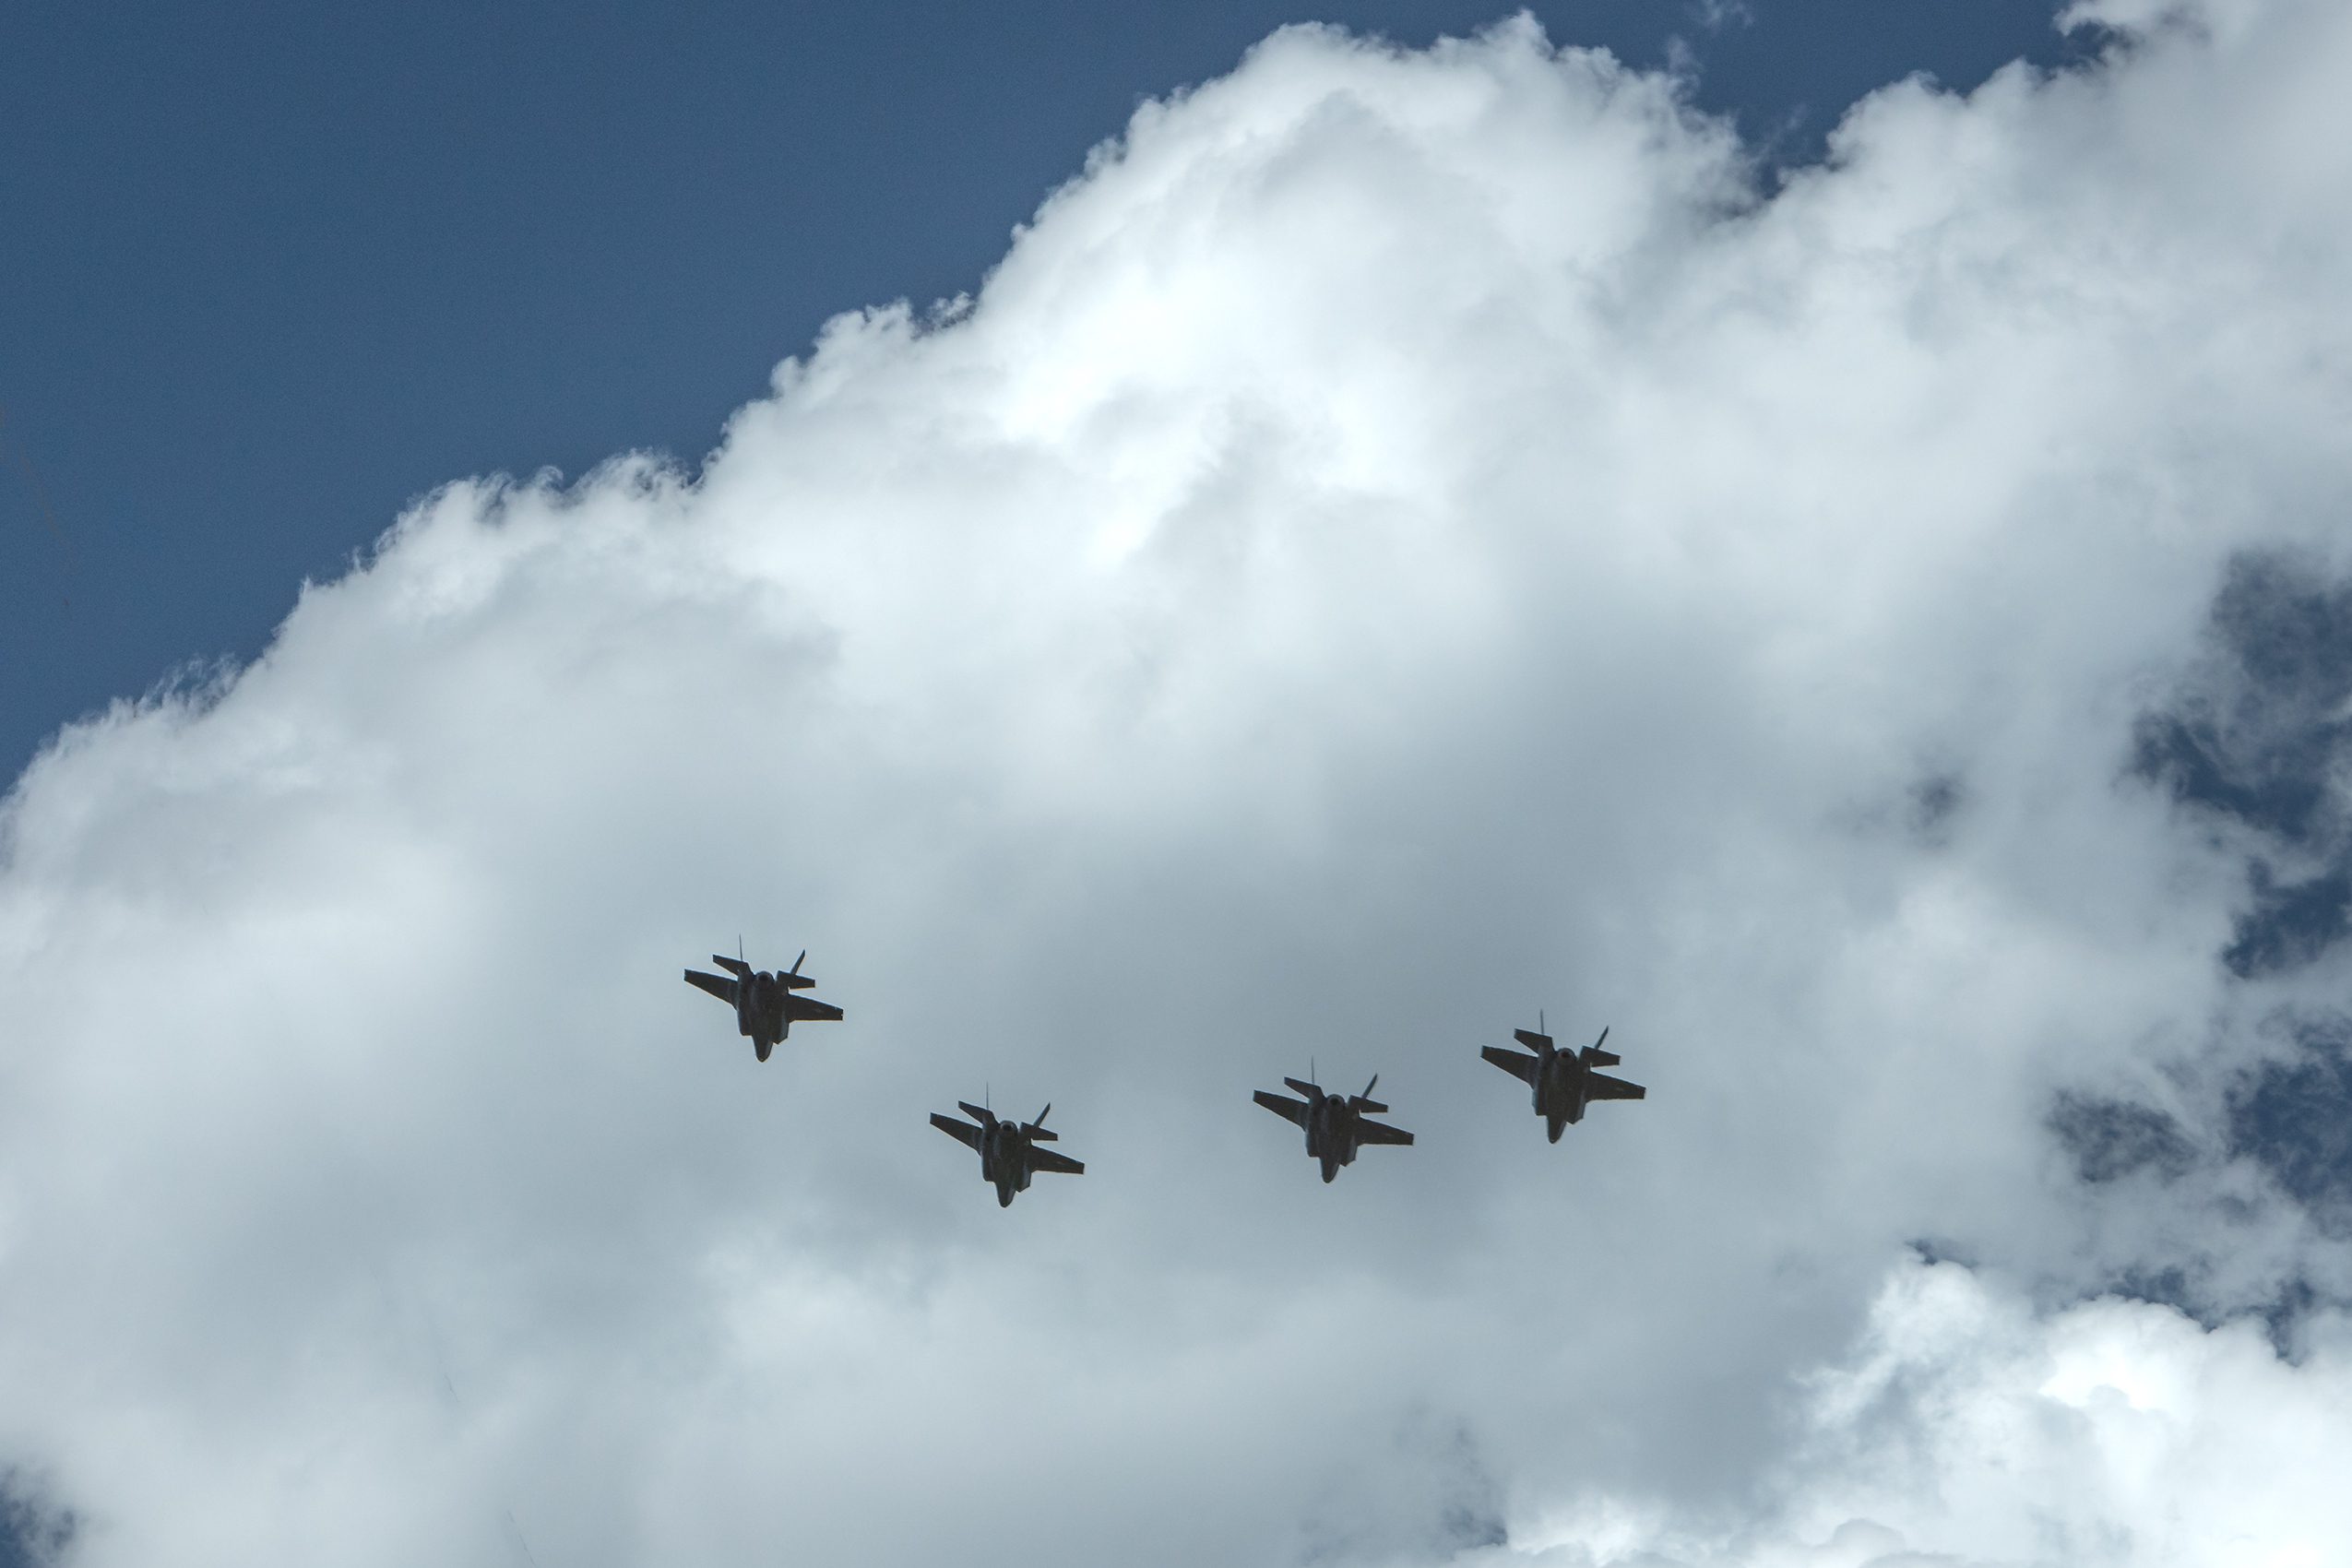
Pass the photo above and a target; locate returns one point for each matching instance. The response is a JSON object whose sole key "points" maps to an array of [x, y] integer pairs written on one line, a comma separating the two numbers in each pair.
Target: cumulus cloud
{"points": [[1402, 538], [2115, 1431]]}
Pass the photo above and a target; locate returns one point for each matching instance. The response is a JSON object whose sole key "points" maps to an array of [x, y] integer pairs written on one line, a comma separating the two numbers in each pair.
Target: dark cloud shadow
{"points": [[2110, 1139], [34, 1531], [2295, 1119], [2254, 741]]}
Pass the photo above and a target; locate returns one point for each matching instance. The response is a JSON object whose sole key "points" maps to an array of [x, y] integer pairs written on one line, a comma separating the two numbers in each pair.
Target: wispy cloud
{"points": [[1716, 16]]}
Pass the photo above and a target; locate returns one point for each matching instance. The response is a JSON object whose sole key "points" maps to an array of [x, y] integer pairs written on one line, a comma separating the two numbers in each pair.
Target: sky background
{"points": [[1403, 535], [270, 274]]}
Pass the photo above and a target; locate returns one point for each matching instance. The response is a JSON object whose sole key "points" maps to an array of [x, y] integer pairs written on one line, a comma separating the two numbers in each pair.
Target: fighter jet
{"points": [[1336, 1125], [1008, 1151], [766, 1008], [1564, 1081]]}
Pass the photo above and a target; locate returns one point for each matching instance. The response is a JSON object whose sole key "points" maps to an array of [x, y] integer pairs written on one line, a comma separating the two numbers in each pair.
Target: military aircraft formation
{"points": [[1562, 1084]]}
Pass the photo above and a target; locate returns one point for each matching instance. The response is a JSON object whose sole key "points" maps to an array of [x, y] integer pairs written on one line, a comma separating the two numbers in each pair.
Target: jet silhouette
{"points": [[766, 1008], [1336, 1125], [1564, 1082], [1008, 1151]]}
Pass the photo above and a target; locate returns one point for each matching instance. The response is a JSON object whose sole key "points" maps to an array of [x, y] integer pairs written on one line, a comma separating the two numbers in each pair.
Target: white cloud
{"points": [[2115, 1431], [1402, 540]]}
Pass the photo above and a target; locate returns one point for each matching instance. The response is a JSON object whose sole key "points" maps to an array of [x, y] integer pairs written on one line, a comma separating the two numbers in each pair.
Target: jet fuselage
{"points": [[1563, 1090], [759, 1011], [1004, 1160], [1331, 1133]]}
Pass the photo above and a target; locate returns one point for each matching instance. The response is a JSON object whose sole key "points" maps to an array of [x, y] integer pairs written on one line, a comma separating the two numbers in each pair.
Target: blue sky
{"points": [[272, 271]]}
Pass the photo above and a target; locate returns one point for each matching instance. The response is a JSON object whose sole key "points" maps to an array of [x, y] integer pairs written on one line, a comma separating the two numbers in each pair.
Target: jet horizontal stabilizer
{"points": [[1367, 1107], [1531, 1040], [1310, 1090], [1510, 1061], [962, 1131], [718, 985], [1595, 1057], [1281, 1105], [1599, 1086], [735, 967], [977, 1114]]}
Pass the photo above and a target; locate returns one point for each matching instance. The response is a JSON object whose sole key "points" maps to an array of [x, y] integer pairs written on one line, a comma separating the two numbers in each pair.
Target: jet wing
{"points": [[1600, 1085], [1510, 1061], [718, 985], [809, 1010], [962, 1131], [1374, 1133], [1283, 1106], [1046, 1160]]}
